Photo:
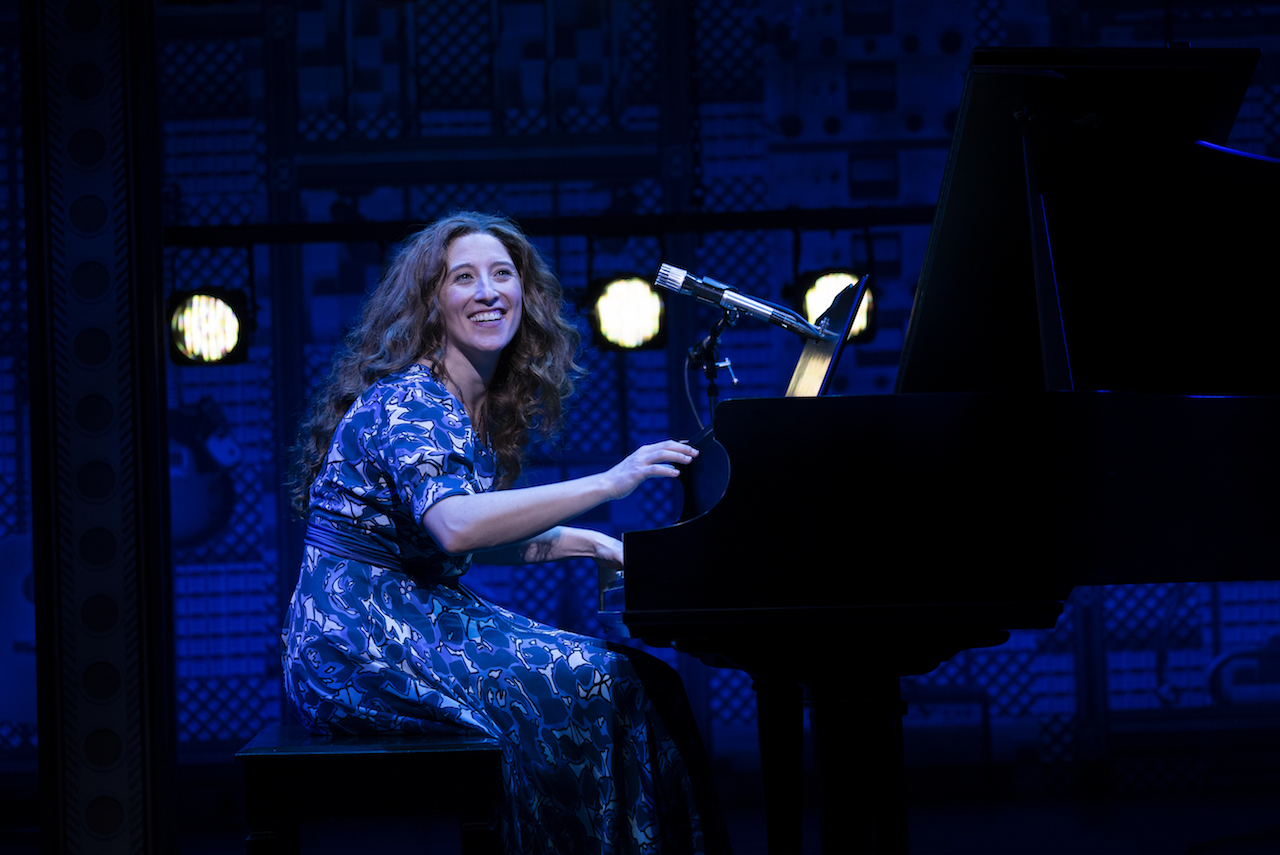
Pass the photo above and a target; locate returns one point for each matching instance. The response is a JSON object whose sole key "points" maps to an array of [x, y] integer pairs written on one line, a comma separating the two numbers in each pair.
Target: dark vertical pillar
{"points": [[1092, 756], [100, 500], [677, 114], [288, 315]]}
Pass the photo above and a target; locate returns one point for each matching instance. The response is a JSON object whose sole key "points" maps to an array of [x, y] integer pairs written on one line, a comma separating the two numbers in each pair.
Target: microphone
{"points": [[725, 296]]}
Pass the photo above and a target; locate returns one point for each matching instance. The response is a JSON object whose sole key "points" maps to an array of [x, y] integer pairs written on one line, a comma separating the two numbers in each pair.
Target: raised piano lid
{"points": [[1164, 251]]}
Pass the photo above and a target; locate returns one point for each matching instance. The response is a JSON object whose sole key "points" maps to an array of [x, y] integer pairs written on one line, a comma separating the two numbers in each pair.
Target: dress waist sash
{"points": [[354, 545]]}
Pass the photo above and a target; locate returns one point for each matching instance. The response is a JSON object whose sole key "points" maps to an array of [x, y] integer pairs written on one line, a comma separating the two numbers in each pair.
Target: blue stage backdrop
{"points": [[354, 112]]}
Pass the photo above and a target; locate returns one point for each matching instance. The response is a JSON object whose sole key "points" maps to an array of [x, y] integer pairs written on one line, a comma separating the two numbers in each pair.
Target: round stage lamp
{"points": [[208, 327], [627, 313], [823, 287]]}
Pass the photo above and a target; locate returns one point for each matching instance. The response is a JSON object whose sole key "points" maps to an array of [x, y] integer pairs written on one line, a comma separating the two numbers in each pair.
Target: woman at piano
{"points": [[406, 469]]}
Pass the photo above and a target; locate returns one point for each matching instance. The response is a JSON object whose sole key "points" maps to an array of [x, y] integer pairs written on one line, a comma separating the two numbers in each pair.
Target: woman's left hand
{"points": [[608, 552]]}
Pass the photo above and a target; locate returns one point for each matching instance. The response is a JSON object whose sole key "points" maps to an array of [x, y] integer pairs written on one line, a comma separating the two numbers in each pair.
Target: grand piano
{"points": [[1086, 395]]}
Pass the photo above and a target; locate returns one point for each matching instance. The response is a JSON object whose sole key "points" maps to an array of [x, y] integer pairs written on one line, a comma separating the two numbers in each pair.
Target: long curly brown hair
{"points": [[401, 324]]}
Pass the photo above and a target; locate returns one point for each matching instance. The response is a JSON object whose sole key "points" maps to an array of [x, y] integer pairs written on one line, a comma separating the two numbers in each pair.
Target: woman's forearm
{"points": [[480, 521]]}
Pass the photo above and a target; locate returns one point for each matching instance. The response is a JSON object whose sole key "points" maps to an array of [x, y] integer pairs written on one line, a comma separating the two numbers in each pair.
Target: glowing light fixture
{"points": [[208, 326], [627, 313], [819, 289]]}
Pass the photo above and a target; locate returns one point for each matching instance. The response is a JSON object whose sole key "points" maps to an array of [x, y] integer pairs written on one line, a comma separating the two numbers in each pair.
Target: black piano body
{"points": [[959, 506], [1087, 394]]}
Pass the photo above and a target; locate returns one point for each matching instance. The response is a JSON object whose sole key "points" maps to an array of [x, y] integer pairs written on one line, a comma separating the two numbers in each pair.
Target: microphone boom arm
{"points": [[719, 294]]}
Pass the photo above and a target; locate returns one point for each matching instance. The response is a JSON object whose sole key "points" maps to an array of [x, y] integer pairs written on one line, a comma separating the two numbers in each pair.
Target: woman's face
{"points": [[480, 301]]}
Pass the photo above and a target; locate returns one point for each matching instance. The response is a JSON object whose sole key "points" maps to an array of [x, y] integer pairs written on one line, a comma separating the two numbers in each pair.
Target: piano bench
{"points": [[291, 776]]}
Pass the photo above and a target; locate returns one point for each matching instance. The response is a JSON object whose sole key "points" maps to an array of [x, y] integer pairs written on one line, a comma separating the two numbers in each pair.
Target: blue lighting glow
{"points": [[1248, 154]]}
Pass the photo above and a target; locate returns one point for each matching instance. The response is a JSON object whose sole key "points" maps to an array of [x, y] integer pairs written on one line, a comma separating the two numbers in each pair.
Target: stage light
{"points": [[209, 326], [627, 313], [818, 289]]}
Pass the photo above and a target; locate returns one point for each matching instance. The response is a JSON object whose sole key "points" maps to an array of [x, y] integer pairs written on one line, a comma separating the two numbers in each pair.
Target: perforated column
{"points": [[98, 447]]}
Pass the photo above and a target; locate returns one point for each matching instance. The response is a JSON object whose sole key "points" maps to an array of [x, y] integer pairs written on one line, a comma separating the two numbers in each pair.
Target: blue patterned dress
{"points": [[381, 637]]}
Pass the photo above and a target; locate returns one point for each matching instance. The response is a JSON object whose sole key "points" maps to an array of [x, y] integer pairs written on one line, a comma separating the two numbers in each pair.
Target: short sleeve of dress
{"points": [[428, 448]]}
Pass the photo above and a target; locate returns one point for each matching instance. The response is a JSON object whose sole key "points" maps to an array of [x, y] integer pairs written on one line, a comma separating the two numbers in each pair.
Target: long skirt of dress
{"points": [[589, 767]]}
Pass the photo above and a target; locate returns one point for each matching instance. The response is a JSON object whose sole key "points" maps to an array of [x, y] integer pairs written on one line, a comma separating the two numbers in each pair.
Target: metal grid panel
{"points": [[15, 489], [317, 361], [639, 66], [1055, 750], [208, 267], [576, 198], [593, 426], [648, 397], [648, 196], [226, 709], [532, 199], [734, 142], [1168, 616], [203, 79], [226, 599], [447, 38], [581, 80], [1249, 614], [1158, 679], [18, 740], [431, 201], [648, 420], [215, 171], [988, 23], [322, 72], [1271, 119], [742, 260], [744, 193], [375, 51], [729, 62], [1019, 677], [226, 621], [562, 594], [580, 119], [732, 699], [243, 394], [524, 121]]}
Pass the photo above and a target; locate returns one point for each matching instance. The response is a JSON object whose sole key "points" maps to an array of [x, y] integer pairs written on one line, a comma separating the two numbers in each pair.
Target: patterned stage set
{"points": [[277, 153]]}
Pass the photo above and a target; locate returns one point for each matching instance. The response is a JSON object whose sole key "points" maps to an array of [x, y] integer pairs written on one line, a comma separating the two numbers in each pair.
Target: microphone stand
{"points": [[706, 355]]}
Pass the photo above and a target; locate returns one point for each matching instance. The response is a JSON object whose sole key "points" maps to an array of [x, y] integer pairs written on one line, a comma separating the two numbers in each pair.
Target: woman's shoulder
{"points": [[412, 389], [414, 377]]}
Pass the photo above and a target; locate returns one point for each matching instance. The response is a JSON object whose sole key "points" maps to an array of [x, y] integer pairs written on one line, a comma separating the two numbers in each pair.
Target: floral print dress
{"points": [[381, 637]]}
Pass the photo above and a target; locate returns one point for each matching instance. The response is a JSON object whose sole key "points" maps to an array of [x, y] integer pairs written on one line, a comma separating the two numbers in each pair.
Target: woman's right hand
{"points": [[657, 460]]}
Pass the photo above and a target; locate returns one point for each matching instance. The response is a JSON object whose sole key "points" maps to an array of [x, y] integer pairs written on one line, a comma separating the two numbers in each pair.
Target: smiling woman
{"points": [[459, 355]]}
